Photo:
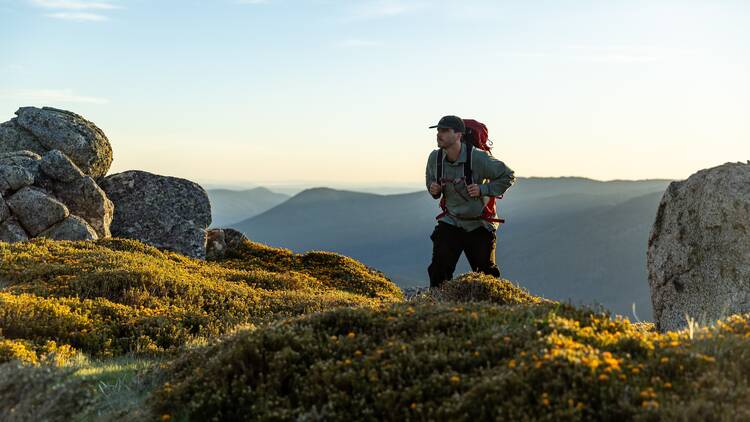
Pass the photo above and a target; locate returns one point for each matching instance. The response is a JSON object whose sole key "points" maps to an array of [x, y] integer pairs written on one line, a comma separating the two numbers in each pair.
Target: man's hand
{"points": [[473, 190], [435, 188]]}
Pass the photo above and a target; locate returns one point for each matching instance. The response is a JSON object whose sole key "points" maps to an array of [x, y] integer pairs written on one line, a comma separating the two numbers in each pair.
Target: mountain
{"points": [[566, 238], [230, 206]]}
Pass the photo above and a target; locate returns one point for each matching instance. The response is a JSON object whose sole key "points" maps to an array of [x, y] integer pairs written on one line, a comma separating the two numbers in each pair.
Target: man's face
{"points": [[446, 137]]}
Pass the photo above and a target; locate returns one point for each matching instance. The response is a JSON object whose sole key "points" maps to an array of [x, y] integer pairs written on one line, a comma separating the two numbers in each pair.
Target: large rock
{"points": [[71, 228], [13, 178], [167, 212], [35, 210], [24, 158], [79, 192], [699, 248], [43, 129], [37, 189], [11, 231], [4, 210], [15, 138]]}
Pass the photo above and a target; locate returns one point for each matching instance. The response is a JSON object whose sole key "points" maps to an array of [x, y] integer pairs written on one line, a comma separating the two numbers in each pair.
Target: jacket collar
{"points": [[461, 156]]}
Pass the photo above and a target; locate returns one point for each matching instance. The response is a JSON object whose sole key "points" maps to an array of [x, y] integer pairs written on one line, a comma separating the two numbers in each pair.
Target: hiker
{"points": [[467, 185]]}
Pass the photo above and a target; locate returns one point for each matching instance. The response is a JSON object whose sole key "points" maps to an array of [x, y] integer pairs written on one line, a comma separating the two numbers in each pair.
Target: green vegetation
{"points": [[114, 328], [116, 296]]}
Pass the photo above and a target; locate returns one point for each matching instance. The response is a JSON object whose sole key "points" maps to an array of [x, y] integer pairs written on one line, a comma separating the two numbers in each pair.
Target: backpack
{"points": [[475, 136]]}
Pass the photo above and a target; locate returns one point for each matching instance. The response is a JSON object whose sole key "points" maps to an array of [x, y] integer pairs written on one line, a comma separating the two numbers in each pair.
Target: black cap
{"points": [[454, 122]]}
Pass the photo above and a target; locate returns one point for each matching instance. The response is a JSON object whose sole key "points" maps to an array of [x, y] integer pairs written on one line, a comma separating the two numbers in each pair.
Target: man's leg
{"points": [[447, 245], [480, 251]]}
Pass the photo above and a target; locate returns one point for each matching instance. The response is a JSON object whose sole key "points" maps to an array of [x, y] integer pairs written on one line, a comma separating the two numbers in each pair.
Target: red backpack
{"points": [[475, 136]]}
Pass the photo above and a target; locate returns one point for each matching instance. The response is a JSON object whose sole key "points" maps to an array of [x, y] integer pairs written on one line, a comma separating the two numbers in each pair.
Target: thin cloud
{"points": [[385, 8], [627, 53], [74, 5], [357, 43], [13, 68], [80, 16], [602, 58], [50, 96], [76, 10], [607, 53], [251, 1]]}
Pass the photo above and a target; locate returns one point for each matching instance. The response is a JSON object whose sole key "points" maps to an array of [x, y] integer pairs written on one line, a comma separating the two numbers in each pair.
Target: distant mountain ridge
{"points": [[565, 238], [230, 206]]}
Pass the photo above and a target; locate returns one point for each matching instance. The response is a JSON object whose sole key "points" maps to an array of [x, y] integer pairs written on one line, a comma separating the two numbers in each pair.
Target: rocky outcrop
{"points": [[79, 192], [223, 242], [44, 129], [49, 196], [71, 228], [699, 248], [167, 212], [35, 210], [52, 183], [11, 231]]}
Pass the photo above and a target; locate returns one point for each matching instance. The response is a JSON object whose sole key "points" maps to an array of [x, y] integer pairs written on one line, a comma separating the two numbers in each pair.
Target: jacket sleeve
{"points": [[501, 176], [430, 172]]}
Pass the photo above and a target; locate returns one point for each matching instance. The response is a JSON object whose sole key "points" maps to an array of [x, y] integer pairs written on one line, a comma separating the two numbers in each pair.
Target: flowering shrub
{"points": [[462, 361], [266, 334], [115, 296]]}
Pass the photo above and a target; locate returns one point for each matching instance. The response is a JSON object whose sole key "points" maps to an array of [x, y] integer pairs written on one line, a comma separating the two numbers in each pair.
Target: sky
{"points": [[326, 92]]}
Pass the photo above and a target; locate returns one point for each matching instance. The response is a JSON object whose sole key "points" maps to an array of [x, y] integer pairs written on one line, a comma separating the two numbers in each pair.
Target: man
{"points": [[461, 229]]}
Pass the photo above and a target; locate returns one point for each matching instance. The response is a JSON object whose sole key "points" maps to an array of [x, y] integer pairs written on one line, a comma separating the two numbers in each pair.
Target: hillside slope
{"points": [[230, 206], [116, 329]]}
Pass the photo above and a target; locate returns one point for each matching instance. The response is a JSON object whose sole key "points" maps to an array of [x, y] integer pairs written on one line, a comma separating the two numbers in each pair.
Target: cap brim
{"points": [[433, 127]]}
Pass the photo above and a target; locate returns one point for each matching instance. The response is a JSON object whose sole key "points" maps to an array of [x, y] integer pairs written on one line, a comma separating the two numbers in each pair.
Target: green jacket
{"points": [[491, 174]]}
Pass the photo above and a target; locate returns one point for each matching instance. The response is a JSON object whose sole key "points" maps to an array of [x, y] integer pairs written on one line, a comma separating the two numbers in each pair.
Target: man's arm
{"points": [[430, 173], [501, 176]]}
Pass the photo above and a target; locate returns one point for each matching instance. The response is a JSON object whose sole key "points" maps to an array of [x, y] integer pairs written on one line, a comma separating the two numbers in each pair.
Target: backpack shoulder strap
{"points": [[439, 164], [467, 164]]}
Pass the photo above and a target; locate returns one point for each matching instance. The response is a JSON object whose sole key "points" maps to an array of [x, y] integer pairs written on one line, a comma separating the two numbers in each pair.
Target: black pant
{"points": [[448, 241]]}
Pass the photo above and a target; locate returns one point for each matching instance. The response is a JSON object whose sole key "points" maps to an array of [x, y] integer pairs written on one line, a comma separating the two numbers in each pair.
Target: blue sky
{"points": [[325, 92]]}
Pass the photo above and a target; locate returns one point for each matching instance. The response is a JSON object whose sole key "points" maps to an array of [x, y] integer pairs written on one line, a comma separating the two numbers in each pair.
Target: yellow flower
{"points": [[455, 379], [166, 417], [358, 353], [650, 404], [413, 406], [545, 399], [664, 360], [351, 334]]}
